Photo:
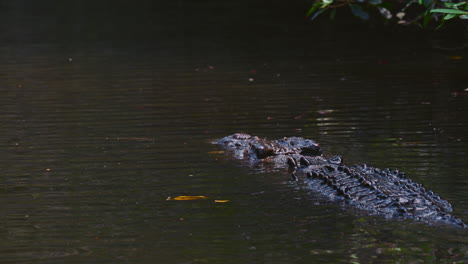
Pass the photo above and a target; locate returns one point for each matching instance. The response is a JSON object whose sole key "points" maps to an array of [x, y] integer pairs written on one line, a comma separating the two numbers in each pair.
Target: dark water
{"points": [[109, 109]]}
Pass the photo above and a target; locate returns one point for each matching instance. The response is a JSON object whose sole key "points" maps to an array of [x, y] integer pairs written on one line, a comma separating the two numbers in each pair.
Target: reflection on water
{"points": [[100, 126]]}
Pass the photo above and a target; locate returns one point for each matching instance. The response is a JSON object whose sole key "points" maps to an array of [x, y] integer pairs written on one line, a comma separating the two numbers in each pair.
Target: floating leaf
{"points": [[221, 201], [186, 198], [216, 152]]}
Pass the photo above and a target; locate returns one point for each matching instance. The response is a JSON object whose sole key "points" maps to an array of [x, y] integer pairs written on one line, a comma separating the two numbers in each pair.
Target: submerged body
{"points": [[382, 192]]}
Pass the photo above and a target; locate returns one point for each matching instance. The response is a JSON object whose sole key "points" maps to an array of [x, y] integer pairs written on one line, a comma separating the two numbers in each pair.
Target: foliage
{"points": [[404, 12]]}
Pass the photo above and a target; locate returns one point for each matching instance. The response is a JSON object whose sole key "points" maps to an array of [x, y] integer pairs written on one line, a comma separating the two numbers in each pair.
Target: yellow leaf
{"points": [[221, 201], [456, 57], [187, 198], [216, 152]]}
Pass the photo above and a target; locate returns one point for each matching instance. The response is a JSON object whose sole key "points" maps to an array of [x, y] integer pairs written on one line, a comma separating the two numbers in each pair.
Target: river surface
{"points": [[109, 109]]}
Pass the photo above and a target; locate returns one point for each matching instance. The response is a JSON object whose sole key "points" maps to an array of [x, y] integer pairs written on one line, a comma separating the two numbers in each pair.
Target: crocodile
{"points": [[378, 191]]}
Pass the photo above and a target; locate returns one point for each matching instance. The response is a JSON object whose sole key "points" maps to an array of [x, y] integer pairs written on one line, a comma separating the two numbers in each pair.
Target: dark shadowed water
{"points": [[109, 109]]}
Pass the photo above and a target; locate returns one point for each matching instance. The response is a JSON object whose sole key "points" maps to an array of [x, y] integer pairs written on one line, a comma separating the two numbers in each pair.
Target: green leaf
{"points": [[420, 2], [441, 24], [357, 11], [320, 11], [313, 8], [333, 14], [463, 16], [325, 3], [375, 2], [427, 18], [451, 5], [449, 16], [449, 11], [427, 2]]}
